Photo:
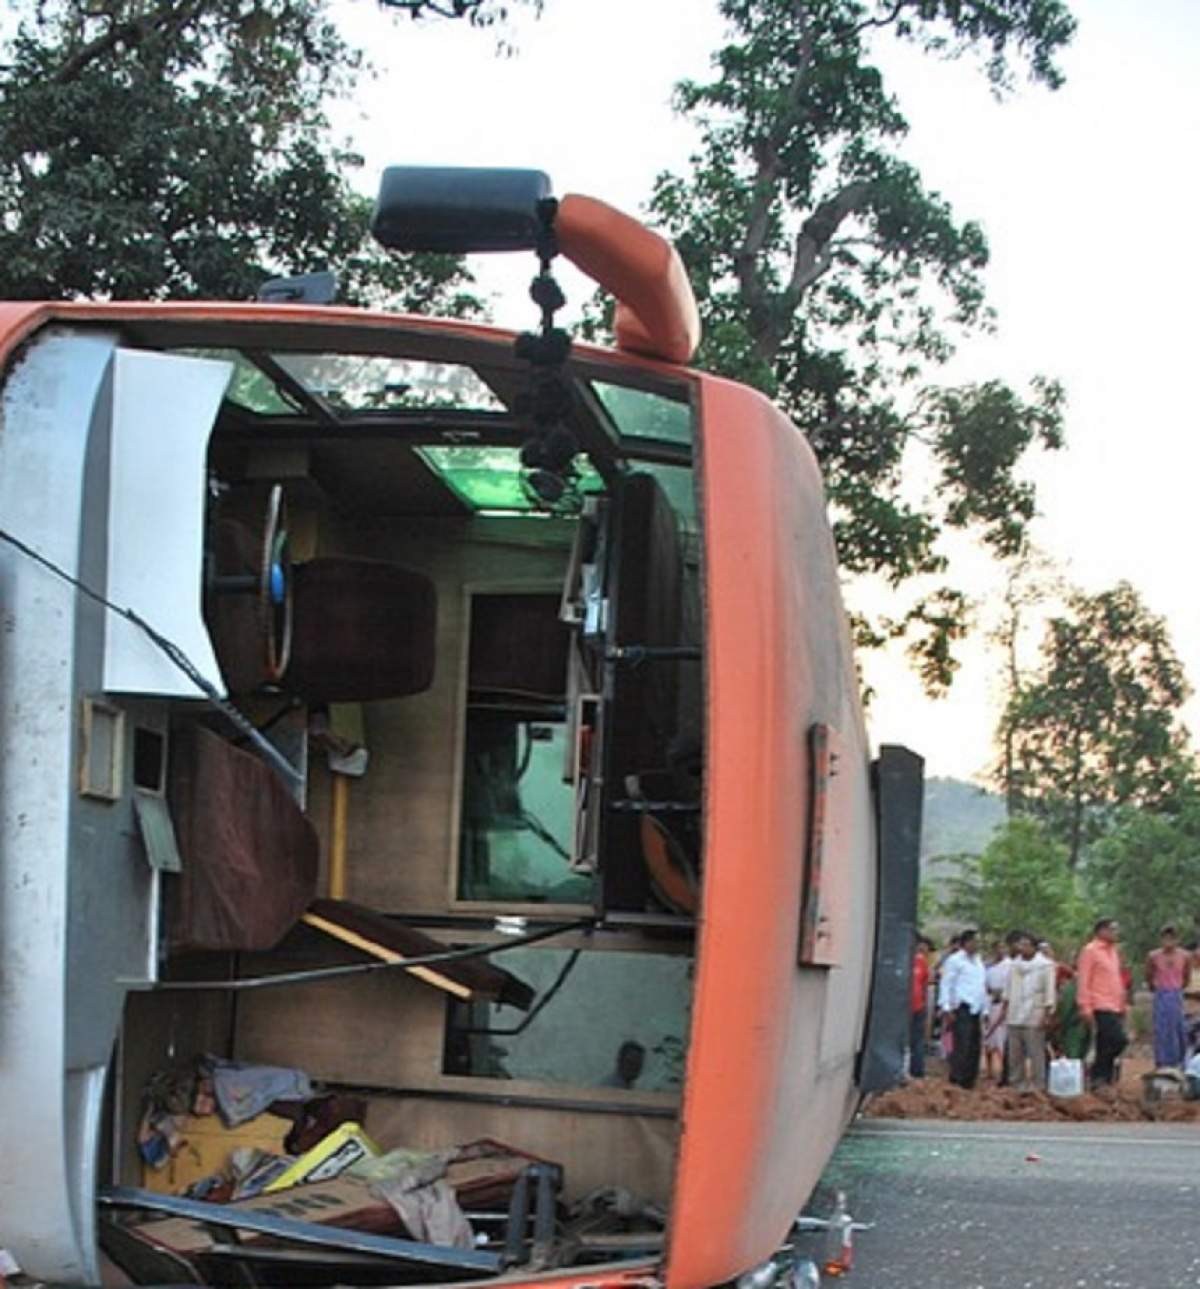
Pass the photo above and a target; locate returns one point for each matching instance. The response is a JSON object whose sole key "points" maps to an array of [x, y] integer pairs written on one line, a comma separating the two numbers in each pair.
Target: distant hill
{"points": [[959, 818]]}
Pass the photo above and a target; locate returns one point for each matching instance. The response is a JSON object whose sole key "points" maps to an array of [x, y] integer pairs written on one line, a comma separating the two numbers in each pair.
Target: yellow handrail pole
{"points": [[338, 823]]}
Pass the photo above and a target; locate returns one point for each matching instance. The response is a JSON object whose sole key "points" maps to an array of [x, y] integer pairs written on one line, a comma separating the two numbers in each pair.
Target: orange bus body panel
{"points": [[769, 1083], [656, 310], [18, 321]]}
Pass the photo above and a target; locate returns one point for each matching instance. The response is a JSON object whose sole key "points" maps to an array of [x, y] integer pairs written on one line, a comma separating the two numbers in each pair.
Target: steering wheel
{"points": [[275, 587]]}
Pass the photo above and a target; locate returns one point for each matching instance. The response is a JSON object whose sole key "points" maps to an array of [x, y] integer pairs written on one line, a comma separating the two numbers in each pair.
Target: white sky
{"points": [[1089, 197]]}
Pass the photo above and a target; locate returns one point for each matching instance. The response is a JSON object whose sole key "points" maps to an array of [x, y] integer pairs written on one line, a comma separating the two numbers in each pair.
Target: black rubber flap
{"points": [[899, 792], [436, 208]]}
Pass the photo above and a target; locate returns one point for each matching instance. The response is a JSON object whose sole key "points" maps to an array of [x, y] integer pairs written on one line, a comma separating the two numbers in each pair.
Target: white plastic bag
{"points": [[1066, 1078]]}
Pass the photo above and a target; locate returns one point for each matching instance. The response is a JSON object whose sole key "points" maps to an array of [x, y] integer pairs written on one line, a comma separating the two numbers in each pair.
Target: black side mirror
{"points": [[460, 210]]}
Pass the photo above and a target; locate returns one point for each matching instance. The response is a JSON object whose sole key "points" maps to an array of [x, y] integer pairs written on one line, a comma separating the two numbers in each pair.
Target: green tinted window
{"points": [[517, 822], [639, 414], [249, 387], [679, 483], [490, 478]]}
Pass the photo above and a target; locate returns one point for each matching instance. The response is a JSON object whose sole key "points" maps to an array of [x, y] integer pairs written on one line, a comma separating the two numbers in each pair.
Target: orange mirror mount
{"points": [[656, 309]]}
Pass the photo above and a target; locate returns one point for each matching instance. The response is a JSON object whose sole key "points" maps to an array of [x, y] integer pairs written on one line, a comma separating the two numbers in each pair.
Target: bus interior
{"points": [[482, 657]]}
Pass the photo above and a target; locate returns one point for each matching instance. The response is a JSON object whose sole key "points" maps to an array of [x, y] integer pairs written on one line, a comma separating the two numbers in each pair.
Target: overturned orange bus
{"points": [[464, 723]]}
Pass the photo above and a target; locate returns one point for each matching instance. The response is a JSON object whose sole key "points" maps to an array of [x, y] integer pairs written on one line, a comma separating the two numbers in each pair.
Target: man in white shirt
{"points": [[1028, 1007], [962, 998]]}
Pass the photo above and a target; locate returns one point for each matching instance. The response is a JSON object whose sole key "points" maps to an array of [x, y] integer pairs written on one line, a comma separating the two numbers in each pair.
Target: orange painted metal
{"points": [[656, 309], [18, 321], [641, 1274], [769, 1082]]}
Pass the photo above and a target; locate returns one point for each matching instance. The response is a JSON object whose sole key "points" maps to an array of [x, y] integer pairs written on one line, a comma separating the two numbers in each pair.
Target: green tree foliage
{"points": [[960, 890], [1097, 726], [1020, 882], [1146, 872], [928, 906], [180, 148], [831, 277]]}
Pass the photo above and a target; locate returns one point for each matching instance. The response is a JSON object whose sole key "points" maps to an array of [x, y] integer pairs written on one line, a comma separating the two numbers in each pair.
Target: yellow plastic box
{"points": [[331, 1155]]}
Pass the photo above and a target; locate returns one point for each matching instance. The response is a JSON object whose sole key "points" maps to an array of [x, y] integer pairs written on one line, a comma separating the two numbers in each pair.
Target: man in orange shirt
{"points": [[918, 1007], [1101, 997]]}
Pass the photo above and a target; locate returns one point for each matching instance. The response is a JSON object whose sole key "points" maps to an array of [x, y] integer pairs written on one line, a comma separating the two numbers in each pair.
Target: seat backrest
{"points": [[649, 611], [643, 722], [249, 852], [363, 630]]}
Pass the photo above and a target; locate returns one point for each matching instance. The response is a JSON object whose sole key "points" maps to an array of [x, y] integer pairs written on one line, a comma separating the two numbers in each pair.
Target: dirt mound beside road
{"points": [[934, 1098]]}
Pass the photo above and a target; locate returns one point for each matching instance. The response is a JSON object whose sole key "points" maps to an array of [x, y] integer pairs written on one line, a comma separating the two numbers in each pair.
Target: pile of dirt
{"points": [[934, 1098]]}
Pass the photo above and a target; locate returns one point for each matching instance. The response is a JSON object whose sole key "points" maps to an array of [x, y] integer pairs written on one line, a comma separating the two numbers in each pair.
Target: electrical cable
{"points": [[177, 657], [361, 968], [533, 824], [532, 1014], [292, 705]]}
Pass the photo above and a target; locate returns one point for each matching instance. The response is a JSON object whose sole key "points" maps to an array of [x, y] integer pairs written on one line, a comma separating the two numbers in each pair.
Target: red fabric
{"points": [[249, 852], [920, 982], [1168, 970]]}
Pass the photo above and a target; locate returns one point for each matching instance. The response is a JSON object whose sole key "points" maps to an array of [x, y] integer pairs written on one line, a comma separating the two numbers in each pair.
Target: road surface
{"points": [[1020, 1206]]}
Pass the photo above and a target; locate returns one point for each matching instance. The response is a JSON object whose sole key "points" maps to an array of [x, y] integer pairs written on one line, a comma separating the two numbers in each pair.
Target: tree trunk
{"points": [[1076, 803], [1010, 733]]}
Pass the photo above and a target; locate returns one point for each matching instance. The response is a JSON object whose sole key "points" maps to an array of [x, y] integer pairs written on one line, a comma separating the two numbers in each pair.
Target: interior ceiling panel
{"points": [[381, 477]]}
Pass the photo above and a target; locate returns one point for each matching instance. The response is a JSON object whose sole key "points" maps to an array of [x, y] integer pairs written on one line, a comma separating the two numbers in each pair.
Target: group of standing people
{"points": [[1014, 997], [1010, 1013]]}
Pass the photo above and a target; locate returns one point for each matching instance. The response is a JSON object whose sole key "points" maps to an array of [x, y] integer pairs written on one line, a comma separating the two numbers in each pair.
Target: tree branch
{"points": [[130, 32], [745, 259], [101, 45], [456, 9], [885, 21], [768, 166], [806, 270], [814, 249]]}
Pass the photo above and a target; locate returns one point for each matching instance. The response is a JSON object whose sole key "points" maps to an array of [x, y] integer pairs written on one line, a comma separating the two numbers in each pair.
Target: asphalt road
{"points": [[966, 1206]]}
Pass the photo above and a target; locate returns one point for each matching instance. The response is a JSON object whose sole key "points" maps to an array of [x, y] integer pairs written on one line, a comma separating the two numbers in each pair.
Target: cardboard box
{"points": [[484, 1171], [342, 1202]]}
